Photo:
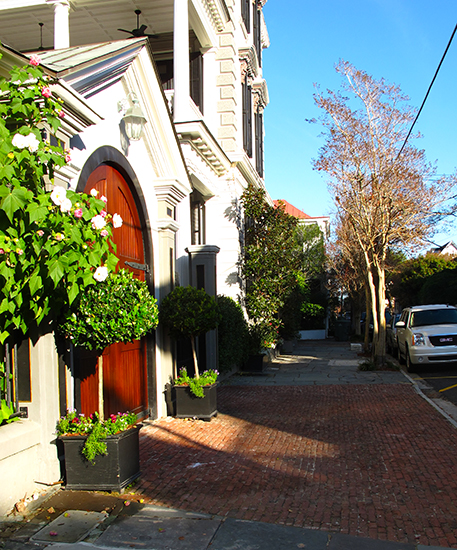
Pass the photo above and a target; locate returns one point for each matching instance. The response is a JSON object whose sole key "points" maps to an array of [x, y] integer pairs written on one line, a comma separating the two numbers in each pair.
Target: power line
{"points": [[428, 91]]}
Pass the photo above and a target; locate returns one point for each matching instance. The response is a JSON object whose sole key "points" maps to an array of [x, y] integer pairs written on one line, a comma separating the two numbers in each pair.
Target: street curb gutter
{"points": [[430, 401]]}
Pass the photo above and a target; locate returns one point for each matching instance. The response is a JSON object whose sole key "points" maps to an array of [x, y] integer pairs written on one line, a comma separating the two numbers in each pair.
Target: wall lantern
{"points": [[134, 119]]}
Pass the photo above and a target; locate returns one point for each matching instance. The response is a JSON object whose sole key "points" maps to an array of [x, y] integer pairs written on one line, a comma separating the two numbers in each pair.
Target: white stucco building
{"points": [[198, 82]]}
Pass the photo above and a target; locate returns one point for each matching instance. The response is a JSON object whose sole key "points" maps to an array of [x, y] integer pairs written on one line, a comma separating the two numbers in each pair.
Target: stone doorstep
{"points": [[70, 527]]}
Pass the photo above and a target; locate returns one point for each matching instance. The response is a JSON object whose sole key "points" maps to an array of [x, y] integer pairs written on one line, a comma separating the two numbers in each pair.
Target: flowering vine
{"points": [[53, 245]]}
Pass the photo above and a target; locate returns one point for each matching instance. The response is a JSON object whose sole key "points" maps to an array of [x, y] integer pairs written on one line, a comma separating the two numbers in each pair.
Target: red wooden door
{"points": [[124, 365]]}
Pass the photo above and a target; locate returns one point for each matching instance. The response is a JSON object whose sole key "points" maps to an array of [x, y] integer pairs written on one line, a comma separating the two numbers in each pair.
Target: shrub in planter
{"points": [[100, 455], [189, 312], [119, 309], [233, 334], [94, 429]]}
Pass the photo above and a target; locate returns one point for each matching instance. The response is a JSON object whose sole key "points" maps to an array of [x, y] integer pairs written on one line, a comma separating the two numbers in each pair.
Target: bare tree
{"points": [[388, 200]]}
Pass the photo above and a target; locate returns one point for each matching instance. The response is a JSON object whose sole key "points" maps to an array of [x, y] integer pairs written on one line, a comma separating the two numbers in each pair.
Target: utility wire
{"points": [[426, 95]]}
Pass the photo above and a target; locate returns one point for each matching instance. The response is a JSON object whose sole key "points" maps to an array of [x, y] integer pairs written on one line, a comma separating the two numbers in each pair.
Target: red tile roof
{"points": [[292, 210]]}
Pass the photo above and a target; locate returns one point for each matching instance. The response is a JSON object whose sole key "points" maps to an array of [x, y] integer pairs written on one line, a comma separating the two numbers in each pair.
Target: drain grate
{"points": [[71, 526]]}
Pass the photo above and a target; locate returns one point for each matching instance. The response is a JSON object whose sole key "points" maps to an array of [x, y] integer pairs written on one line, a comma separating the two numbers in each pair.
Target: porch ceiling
{"points": [[91, 21]]}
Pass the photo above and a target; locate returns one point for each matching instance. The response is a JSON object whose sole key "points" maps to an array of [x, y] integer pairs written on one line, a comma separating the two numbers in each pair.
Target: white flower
{"points": [[94, 192], [19, 141], [32, 143], [101, 273], [58, 195], [117, 221], [98, 222], [66, 205], [104, 199], [29, 141]]}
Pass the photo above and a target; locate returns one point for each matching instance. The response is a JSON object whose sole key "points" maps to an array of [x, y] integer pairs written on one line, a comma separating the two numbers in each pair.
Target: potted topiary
{"points": [[189, 312], [99, 453]]}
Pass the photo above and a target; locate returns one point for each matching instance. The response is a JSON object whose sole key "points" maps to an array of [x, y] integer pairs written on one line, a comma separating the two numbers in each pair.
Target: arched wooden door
{"points": [[124, 365]]}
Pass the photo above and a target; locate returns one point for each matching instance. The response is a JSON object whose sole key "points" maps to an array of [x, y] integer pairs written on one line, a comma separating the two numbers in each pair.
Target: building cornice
{"points": [[200, 139]]}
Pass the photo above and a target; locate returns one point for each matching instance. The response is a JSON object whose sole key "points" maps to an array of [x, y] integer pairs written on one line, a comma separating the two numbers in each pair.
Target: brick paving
{"points": [[371, 461]]}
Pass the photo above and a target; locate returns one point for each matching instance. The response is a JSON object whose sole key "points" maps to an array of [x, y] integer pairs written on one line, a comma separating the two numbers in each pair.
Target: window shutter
{"points": [[245, 14], [259, 143], [196, 79], [247, 119]]}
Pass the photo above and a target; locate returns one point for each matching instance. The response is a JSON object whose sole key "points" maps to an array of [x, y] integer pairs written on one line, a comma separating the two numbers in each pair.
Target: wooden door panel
{"points": [[124, 365]]}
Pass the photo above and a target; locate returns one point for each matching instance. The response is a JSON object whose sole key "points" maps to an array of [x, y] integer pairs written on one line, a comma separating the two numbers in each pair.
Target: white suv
{"points": [[427, 334]]}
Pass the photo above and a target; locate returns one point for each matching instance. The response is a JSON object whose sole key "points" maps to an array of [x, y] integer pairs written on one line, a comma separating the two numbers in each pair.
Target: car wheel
{"points": [[399, 356]]}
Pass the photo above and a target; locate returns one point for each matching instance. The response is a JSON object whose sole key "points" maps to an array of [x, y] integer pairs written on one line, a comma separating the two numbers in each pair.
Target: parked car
{"points": [[427, 335], [391, 334]]}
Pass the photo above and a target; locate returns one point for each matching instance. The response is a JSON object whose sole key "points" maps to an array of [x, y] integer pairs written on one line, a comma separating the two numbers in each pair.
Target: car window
{"points": [[433, 317]]}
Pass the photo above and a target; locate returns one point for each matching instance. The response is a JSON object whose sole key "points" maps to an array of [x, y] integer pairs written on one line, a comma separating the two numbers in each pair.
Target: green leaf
{"points": [[15, 200], [56, 270]]}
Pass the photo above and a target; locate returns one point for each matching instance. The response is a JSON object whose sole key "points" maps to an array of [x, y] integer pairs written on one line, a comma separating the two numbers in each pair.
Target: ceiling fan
{"points": [[139, 31]]}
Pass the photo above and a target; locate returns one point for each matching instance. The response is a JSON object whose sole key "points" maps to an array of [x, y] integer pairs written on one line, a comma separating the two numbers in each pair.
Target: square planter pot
{"points": [[254, 363], [110, 472], [190, 406]]}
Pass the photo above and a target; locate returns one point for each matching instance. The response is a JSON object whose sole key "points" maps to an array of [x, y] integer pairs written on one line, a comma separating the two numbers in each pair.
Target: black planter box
{"points": [[254, 363], [110, 472], [190, 406]]}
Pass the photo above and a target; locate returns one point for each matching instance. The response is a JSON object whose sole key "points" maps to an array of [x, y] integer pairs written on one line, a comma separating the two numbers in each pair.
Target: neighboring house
{"points": [[448, 248], [322, 221], [177, 187]]}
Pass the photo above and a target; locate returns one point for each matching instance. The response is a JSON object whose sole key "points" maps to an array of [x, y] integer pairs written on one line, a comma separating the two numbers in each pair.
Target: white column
{"points": [[181, 60], [61, 23]]}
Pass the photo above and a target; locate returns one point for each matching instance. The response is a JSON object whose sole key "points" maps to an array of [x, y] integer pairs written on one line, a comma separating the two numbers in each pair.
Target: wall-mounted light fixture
{"points": [[134, 119]]}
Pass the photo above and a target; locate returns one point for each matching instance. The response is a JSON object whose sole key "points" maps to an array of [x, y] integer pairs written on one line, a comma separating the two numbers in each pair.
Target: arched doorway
{"points": [[124, 374]]}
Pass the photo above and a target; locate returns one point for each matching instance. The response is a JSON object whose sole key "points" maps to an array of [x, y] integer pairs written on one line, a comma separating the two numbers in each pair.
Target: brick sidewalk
{"points": [[371, 461]]}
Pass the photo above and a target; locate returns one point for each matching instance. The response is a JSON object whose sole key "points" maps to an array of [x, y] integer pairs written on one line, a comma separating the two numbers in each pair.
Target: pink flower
{"points": [[46, 92], [35, 60], [67, 158], [40, 232], [104, 233], [59, 237], [61, 114], [79, 213], [19, 251], [104, 199], [103, 212]]}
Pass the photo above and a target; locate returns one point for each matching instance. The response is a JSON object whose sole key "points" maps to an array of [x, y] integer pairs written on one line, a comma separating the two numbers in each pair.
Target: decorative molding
{"points": [[171, 192], [248, 58], [219, 13], [167, 224], [203, 143], [260, 91]]}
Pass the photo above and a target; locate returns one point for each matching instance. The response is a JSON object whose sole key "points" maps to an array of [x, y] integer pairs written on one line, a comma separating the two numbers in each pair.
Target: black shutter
{"points": [[246, 14], [257, 38], [259, 143], [196, 79], [247, 119]]}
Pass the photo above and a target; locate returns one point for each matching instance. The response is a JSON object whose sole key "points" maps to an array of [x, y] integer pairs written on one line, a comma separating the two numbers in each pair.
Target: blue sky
{"points": [[399, 40]]}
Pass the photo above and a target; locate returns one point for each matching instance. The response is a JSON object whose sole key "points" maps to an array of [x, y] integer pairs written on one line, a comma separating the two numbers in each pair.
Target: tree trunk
{"points": [[366, 336], [194, 354], [379, 346]]}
